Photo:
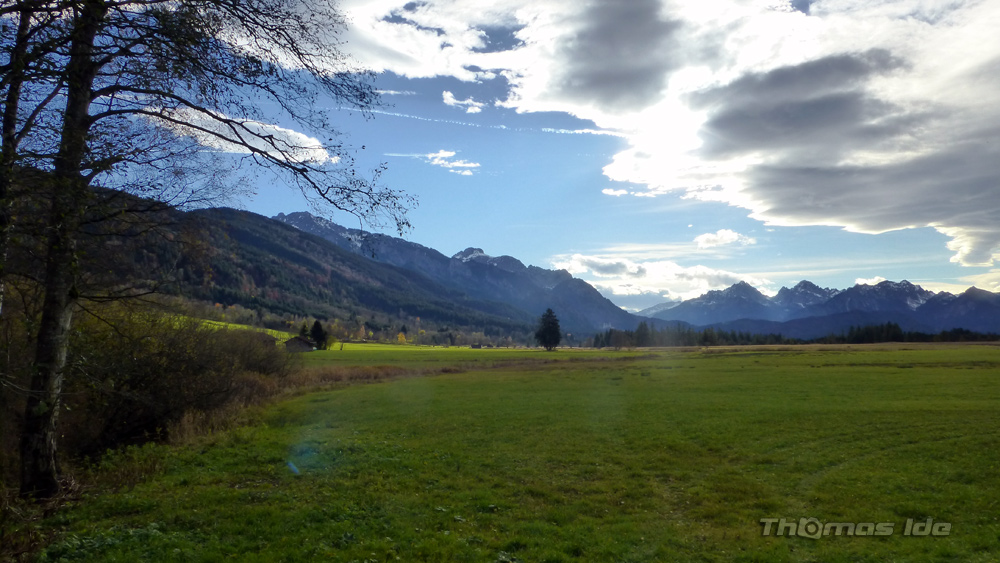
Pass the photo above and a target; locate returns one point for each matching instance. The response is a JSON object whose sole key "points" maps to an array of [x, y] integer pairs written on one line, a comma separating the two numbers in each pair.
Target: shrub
{"points": [[132, 374]]}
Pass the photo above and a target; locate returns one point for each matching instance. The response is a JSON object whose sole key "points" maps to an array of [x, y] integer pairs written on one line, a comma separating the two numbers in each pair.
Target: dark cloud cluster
{"points": [[817, 106], [620, 57], [843, 72], [816, 121], [836, 153], [954, 190]]}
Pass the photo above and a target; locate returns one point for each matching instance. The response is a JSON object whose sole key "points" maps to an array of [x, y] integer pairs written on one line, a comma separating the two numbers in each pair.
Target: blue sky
{"points": [[660, 149]]}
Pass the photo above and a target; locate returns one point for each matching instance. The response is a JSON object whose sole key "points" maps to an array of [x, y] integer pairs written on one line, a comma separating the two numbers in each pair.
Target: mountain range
{"points": [[472, 272], [298, 265], [240, 258], [808, 311], [804, 311], [276, 271]]}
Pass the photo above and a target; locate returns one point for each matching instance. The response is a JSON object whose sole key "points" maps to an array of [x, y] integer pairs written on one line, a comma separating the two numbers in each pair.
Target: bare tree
{"points": [[27, 25], [141, 97]]}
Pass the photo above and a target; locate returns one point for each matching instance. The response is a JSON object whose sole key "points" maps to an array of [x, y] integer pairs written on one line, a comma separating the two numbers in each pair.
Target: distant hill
{"points": [[809, 311], [233, 257], [247, 259], [473, 273]]}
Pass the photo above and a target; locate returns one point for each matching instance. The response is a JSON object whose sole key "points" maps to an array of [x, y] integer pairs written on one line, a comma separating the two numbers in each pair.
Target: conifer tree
{"points": [[548, 334], [318, 335]]}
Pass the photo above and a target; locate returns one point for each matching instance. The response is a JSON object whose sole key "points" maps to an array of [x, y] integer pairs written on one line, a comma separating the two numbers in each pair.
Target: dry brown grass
{"points": [[255, 390]]}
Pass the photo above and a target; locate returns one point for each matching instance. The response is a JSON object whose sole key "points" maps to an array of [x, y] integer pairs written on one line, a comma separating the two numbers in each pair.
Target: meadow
{"points": [[581, 455]]}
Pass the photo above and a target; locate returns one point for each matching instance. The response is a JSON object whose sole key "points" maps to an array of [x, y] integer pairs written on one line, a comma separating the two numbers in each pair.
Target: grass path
{"points": [[595, 457]]}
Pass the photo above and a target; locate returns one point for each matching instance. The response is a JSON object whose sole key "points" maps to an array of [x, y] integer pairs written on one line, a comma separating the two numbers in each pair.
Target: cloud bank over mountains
{"points": [[634, 283], [867, 115]]}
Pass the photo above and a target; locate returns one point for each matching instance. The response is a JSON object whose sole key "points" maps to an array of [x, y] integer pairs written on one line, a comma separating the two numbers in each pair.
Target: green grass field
{"points": [[279, 335], [522, 455], [430, 357]]}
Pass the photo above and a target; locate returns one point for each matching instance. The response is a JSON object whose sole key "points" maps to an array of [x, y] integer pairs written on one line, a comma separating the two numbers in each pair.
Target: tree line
{"points": [[645, 336], [891, 332]]}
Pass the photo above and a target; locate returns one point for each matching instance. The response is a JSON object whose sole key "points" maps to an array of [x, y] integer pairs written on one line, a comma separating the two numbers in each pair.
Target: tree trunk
{"points": [[8, 154], [70, 193], [39, 466]]}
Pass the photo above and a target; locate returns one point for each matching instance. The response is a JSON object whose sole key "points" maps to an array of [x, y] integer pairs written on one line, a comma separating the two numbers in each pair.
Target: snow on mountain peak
{"points": [[470, 254]]}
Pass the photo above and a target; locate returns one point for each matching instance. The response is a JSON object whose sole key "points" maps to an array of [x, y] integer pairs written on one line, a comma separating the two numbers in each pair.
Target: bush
{"points": [[133, 374]]}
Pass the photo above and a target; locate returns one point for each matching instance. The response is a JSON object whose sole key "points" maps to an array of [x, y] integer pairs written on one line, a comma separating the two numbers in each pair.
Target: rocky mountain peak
{"points": [[471, 254], [743, 290], [803, 294], [976, 294]]}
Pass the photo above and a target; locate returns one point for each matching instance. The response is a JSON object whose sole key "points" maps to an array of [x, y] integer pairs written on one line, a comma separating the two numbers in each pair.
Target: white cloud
{"points": [[616, 193], [442, 159], [660, 280], [470, 105], [872, 116], [869, 281], [222, 133], [602, 267], [423, 40], [938, 287], [990, 281], [633, 298], [603, 132], [722, 237]]}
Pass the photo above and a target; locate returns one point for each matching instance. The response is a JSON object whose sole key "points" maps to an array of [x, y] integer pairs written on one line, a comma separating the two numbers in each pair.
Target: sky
{"points": [[659, 149]]}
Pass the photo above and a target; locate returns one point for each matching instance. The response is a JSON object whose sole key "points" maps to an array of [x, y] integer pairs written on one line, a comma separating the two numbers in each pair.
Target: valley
{"points": [[579, 456]]}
